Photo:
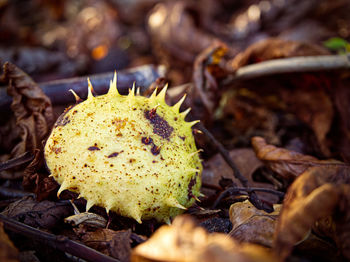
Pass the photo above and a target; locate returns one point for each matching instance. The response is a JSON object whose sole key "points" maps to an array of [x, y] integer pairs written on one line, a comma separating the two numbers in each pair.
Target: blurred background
{"points": [[52, 39]]}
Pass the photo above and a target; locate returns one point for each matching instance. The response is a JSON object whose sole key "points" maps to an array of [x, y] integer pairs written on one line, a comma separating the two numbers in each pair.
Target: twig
{"points": [[225, 154], [58, 90], [22, 159], [211, 186], [61, 243], [13, 193], [237, 174], [290, 65], [232, 190]]}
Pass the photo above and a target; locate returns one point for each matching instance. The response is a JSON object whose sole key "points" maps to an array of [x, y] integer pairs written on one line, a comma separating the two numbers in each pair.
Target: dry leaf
{"points": [[305, 94], [320, 194], [273, 48], [173, 29], [216, 168], [31, 107], [288, 164], [184, 241], [8, 252], [45, 214], [250, 224], [113, 243], [35, 178]]}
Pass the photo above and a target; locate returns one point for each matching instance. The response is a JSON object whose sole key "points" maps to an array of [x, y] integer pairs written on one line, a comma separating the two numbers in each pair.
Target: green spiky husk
{"points": [[130, 154]]}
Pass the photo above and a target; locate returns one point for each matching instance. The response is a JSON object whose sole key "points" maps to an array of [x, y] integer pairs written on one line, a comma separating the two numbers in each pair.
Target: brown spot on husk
{"points": [[93, 148], [113, 154], [160, 126]]}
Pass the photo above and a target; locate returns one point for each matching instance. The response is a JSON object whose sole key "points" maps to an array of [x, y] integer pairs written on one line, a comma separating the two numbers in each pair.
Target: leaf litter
{"points": [[285, 131]]}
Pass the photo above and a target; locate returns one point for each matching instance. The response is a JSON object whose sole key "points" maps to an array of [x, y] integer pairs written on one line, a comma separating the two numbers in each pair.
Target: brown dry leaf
{"points": [[31, 107], [274, 48], [312, 105], [305, 94], [45, 214], [342, 130], [8, 252], [113, 243], [288, 164], [206, 71], [184, 241], [35, 178], [320, 194], [247, 163], [250, 224], [173, 29]]}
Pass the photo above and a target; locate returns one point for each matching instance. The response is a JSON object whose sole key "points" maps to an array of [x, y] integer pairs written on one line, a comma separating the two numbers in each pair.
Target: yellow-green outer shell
{"points": [[130, 154]]}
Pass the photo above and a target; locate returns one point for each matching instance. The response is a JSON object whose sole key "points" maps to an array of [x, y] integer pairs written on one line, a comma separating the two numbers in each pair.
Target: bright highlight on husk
{"points": [[129, 154]]}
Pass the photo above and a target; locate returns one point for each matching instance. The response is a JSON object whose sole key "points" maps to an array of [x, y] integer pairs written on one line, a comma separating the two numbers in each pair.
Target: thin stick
{"points": [[232, 190], [291, 65], [22, 159], [258, 189], [13, 193], [253, 197], [61, 243], [58, 90], [225, 154]]}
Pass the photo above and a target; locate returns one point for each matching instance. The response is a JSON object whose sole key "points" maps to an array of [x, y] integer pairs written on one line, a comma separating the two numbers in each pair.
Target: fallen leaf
{"points": [[306, 95], [341, 128], [206, 71], [173, 29], [250, 224], [320, 194], [35, 178], [113, 243], [31, 107], [45, 214], [184, 241], [216, 168], [286, 163], [8, 252], [274, 48]]}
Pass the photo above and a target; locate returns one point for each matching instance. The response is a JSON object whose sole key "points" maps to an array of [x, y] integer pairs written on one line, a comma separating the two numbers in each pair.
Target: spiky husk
{"points": [[130, 154]]}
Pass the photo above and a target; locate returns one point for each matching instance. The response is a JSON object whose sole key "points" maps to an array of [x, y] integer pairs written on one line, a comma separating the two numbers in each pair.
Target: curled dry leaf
{"points": [[288, 164], [250, 224], [274, 48], [45, 214], [31, 107], [184, 241], [318, 199], [8, 252]]}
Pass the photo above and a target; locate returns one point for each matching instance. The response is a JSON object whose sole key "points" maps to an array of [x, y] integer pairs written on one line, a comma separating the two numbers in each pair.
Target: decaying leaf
{"points": [[216, 168], [173, 29], [35, 178], [273, 48], [250, 224], [320, 199], [184, 241], [31, 107], [87, 219], [306, 95], [45, 214], [32, 111], [8, 252], [113, 243], [288, 164]]}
